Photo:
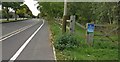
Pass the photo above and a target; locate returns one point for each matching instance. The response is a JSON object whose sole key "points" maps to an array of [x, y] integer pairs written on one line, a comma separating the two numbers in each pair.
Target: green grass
{"points": [[94, 54], [101, 50], [55, 28], [5, 21]]}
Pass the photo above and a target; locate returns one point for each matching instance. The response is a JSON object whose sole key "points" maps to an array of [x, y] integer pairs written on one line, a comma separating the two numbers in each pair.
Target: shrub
{"points": [[66, 41]]}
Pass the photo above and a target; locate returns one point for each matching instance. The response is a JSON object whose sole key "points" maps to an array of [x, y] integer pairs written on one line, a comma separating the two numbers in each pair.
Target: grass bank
{"points": [[101, 50], [5, 21]]}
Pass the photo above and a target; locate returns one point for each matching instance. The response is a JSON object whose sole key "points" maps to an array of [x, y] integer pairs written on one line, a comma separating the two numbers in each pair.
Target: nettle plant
{"points": [[66, 41]]}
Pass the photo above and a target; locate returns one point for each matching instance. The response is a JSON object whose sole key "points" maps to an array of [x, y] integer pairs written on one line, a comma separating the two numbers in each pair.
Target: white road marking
{"points": [[54, 52], [14, 57], [15, 32]]}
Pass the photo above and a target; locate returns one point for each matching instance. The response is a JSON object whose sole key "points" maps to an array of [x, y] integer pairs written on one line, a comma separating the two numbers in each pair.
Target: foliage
{"points": [[24, 11], [100, 51], [101, 12], [20, 9], [13, 5], [5, 6], [52, 9], [97, 12], [66, 41]]}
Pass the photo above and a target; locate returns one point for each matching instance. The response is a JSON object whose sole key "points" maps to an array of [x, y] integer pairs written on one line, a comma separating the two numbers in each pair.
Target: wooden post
{"points": [[72, 23], [64, 17], [64, 24], [90, 33]]}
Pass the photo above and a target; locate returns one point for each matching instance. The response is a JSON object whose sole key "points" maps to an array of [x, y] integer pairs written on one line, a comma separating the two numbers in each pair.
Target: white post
{"points": [[1, 33], [72, 23], [65, 7]]}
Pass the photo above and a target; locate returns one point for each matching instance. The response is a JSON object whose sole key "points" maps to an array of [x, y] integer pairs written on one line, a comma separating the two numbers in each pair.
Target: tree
{"points": [[51, 9], [5, 6], [23, 11], [15, 6], [97, 12]]}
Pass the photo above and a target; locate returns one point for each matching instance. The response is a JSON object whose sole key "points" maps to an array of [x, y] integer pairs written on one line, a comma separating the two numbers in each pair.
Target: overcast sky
{"points": [[0, 7], [32, 6]]}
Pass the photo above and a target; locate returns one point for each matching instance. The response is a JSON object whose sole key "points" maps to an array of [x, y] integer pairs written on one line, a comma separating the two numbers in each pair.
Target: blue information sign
{"points": [[90, 28]]}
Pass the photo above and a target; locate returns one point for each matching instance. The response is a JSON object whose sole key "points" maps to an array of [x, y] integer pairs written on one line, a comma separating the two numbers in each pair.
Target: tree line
{"points": [[20, 9], [97, 12]]}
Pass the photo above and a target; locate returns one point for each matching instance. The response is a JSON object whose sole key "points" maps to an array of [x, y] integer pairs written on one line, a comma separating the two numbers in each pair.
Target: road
{"points": [[26, 40]]}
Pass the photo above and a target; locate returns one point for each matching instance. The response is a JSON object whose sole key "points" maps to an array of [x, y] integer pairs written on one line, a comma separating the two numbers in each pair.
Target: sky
{"points": [[0, 7], [32, 6]]}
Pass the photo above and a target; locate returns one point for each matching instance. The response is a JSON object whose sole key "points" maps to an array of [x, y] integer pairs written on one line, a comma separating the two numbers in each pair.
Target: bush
{"points": [[66, 41]]}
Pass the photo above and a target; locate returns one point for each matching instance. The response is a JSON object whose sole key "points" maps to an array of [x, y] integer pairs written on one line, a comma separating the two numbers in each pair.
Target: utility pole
{"points": [[64, 17]]}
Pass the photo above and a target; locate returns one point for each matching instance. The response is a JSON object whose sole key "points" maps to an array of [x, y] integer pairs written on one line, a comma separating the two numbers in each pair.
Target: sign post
{"points": [[90, 33]]}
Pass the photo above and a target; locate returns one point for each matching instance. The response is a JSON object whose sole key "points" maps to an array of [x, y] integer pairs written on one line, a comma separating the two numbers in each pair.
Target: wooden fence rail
{"points": [[104, 34]]}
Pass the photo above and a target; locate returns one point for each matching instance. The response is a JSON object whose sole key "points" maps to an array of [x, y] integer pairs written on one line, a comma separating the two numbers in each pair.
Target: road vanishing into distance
{"points": [[26, 40]]}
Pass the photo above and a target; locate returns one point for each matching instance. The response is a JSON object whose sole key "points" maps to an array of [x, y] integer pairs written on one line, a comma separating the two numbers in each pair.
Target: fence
{"points": [[108, 31]]}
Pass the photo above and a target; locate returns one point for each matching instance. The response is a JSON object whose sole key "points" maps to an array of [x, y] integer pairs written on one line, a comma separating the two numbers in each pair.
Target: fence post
{"points": [[90, 33], [72, 23]]}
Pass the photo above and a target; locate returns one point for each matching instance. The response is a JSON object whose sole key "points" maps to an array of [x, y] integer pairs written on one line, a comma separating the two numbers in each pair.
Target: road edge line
{"points": [[54, 53]]}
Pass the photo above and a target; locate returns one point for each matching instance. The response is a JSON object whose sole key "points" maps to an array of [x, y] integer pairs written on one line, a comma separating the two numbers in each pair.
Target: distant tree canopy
{"points": [[5, 6], [97, 12], [51, 9], [20, 9]]}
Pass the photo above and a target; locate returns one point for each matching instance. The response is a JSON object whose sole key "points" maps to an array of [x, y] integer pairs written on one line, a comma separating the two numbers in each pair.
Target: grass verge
{"points": [[5, 21], [101, 50]]}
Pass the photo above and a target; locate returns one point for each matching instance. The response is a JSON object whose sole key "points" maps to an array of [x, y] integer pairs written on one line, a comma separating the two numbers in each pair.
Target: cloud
{"points": [[32, 5]]}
